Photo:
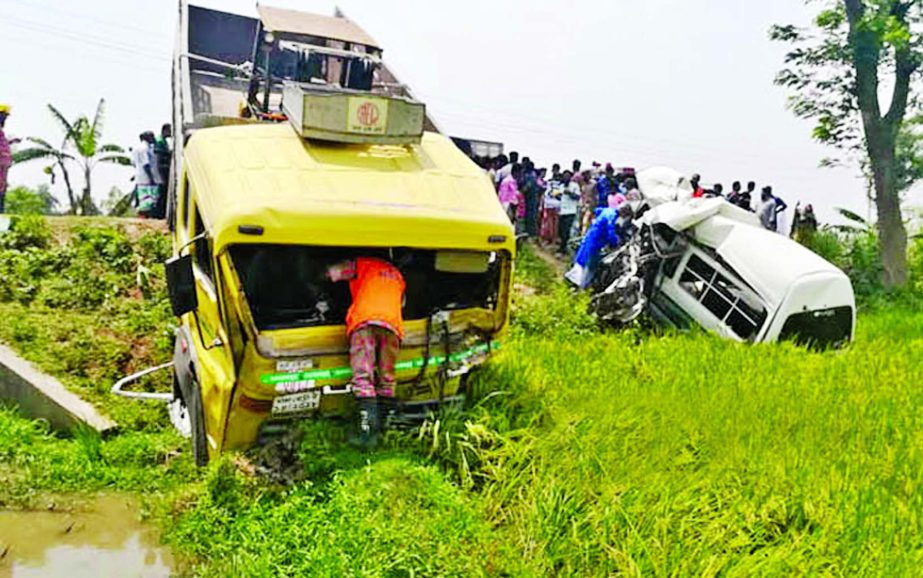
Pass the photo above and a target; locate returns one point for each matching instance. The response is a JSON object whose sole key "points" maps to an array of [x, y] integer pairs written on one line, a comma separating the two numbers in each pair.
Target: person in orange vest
{"points": [[375, 328]]}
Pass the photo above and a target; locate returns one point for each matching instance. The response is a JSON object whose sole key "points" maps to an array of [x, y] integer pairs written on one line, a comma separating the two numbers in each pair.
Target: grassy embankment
{"points": [[596, 454], [87, 303]]}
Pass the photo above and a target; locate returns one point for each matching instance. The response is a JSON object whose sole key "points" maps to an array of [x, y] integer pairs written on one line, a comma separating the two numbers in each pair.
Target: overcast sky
{"points": [[682, 83]]}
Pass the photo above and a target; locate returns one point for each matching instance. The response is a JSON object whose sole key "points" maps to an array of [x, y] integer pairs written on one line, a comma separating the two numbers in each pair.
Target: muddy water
{"points": [[98, 538]]}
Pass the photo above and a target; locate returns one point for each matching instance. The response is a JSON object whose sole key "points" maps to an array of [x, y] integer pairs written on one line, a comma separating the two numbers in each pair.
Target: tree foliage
{"points": [[821, 71], [909, 152], [838, 72], [25, 201]]}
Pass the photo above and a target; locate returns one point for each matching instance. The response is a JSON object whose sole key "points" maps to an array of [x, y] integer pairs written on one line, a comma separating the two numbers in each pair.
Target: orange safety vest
{"points": [[377, 291]]}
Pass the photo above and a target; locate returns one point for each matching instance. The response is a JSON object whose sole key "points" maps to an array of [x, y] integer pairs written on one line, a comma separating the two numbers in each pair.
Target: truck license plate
{"points": [[296, 403]]}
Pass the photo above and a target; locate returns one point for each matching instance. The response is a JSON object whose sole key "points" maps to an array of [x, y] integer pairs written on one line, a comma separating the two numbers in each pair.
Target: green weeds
{"points": [[33, 462], [89, 307], [543, 304], [387, 516]]}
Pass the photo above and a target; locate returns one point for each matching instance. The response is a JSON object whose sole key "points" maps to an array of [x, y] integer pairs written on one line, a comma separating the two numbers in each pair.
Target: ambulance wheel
{"points": [[197, 425]]}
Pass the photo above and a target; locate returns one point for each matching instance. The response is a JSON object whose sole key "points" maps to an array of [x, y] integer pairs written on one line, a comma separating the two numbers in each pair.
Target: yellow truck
{"points": [[283, 169]]}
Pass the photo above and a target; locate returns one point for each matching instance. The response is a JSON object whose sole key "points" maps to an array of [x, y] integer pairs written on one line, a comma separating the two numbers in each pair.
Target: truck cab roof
{"points": [[264, 177]]}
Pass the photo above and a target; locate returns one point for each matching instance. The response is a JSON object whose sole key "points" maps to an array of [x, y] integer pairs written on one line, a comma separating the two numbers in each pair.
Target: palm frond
{"points": [[40, 142], [98, 119], [34, 153], [84, 137], [111, 148], [848, 229], [66, 125], [851, 216], [115, 160]]}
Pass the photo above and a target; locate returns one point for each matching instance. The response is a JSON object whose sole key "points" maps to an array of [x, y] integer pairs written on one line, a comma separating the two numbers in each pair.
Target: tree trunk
{"points": [[86, 203], [881, 131], [892, 236], [70, 189]]}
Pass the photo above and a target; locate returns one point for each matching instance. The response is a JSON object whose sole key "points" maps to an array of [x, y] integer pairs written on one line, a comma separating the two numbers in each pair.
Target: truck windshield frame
{"points": [[285, 286]]}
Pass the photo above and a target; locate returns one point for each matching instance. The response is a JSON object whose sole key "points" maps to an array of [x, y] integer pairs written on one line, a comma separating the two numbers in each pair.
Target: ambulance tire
{"points": [[197, 425]]}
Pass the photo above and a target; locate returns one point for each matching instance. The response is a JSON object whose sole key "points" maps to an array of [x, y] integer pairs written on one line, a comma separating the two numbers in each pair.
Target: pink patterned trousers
{"points": [[373, 351]]}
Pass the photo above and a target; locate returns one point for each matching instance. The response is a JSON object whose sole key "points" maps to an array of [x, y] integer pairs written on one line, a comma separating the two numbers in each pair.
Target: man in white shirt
{"points": [[570, 198], [146, 177], [767, 210], [141, 159]]}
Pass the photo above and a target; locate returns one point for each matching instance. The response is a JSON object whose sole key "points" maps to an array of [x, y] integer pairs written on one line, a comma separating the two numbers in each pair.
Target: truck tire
{"points": [[197, 423]]}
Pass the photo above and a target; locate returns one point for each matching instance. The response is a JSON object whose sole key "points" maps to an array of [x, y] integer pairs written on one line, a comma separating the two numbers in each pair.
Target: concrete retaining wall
{"points": [[40, 396]]}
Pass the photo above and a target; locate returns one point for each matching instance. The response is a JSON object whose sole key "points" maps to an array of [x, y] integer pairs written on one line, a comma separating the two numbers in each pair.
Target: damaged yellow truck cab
{"points": [[296, 149], [263, 213]]}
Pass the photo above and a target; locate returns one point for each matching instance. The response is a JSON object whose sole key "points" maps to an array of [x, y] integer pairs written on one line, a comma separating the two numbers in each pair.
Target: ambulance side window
{"points": [[733, 305], [203, 249]]}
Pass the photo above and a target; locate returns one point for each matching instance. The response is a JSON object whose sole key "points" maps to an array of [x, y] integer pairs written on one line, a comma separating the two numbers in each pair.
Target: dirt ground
{"points": [[62, 226], [553, 260]]}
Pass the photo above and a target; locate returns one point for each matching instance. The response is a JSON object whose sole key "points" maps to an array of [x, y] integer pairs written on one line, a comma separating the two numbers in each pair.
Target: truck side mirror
{"points": [[181, 285]]}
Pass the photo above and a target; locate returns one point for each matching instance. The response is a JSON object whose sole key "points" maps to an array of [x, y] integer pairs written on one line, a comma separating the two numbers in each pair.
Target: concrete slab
{"points": [[40, 396]]}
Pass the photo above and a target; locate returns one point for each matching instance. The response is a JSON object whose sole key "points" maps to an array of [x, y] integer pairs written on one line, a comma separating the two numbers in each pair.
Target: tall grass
{"points": [[630, 454], [34, 462], [688, 455]]}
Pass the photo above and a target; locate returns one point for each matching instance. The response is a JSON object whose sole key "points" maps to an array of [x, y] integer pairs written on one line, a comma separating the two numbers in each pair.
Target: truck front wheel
{"points": [[197, 425]]}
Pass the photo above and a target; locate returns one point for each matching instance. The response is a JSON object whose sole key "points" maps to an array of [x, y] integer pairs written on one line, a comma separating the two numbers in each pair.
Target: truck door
{"points": [[214, 358]]}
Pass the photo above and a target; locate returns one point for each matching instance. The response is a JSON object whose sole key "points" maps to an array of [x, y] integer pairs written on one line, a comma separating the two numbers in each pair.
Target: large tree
{"points": [[861, 56], [82, 146]]}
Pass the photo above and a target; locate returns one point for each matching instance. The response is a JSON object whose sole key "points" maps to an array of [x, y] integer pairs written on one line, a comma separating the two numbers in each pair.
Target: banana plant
{"points": [[81, 145], [42, 149]]}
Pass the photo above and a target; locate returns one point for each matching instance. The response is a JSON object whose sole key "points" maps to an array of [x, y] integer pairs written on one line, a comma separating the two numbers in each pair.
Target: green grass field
{"points": [[582, 454]]}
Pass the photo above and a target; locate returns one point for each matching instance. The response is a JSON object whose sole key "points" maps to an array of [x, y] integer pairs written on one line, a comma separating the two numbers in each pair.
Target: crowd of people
{"points": [[557, 205], [554, 206], [151, 159]]}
